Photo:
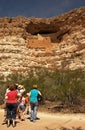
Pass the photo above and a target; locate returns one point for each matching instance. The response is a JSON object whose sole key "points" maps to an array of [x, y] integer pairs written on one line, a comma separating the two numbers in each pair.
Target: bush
{"points": [[66, 86]]}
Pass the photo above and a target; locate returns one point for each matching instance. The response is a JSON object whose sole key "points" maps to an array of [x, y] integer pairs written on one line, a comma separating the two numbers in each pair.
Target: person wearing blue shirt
{"points": [[34, 102]]}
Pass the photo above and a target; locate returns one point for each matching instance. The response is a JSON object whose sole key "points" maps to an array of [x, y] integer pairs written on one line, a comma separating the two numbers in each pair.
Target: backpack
{"points": [[39, 98]]}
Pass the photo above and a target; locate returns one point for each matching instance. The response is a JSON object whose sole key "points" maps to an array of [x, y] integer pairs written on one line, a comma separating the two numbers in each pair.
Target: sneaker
{"points": [[31, 120]]}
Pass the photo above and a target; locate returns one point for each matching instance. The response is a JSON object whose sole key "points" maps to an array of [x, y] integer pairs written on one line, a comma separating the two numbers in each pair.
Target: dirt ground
{"points": [[48, 121]]}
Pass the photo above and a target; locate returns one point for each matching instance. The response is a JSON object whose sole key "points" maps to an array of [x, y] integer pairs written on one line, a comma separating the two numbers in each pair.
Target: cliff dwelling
{"points": [[39, 42]]}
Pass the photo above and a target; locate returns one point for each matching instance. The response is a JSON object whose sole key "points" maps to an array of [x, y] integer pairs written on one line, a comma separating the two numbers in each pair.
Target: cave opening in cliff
{"points": [[43, 32]]}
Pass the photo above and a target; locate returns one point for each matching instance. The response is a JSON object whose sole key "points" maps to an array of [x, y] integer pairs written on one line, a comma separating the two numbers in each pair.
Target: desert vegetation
{"points": [[66, 87]]}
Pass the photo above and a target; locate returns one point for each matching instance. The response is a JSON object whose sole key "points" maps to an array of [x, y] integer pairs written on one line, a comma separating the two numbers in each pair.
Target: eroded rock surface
{"points": [[56, 43]]}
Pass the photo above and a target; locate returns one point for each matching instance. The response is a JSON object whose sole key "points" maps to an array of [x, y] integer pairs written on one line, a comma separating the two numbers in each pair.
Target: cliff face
{"points": [[56, 43]]}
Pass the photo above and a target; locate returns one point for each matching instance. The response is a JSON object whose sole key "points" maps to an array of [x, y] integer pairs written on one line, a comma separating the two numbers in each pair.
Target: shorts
{"points": [[22, 107]]}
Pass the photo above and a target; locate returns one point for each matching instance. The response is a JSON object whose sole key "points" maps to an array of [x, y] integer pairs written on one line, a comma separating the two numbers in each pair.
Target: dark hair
{"points": [[11, 87], [16, 86]]}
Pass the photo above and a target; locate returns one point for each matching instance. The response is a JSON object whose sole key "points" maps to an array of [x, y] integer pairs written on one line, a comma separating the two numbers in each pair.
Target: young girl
{"points": [[21, 108]]}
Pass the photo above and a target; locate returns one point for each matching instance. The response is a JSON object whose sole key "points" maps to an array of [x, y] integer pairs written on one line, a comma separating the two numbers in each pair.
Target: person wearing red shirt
{"points": [[11, 105]]}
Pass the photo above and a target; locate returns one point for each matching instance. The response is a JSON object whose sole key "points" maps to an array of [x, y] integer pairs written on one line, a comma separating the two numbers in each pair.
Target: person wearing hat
{"points": [[34, 102], [21, 89]]}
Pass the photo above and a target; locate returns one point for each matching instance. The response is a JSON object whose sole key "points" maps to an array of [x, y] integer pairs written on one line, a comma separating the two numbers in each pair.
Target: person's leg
{"points": [[8, 115], [14, 110], [35, 111], [22, 112], [27, 109], [13, 113], [32, 111], [9, 108]]}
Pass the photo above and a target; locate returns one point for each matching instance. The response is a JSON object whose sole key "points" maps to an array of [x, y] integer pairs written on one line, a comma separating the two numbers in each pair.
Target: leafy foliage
{"points": [[66, 86]]}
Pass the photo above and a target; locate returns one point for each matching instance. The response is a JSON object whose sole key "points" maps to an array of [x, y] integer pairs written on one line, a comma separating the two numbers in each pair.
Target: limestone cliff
{"points": [[55, 43]]}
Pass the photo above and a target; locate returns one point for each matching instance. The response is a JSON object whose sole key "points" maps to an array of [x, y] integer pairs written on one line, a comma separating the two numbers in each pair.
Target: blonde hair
{"points": [[35, 86]]}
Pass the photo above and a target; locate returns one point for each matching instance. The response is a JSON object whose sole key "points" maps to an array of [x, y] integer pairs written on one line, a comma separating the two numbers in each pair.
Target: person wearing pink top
{"points": [[11, 105]]}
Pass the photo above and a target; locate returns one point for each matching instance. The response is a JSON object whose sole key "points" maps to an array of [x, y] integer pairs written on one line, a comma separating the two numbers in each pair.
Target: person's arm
{"points": [[39, 93], [6, 97], [29, 94]]}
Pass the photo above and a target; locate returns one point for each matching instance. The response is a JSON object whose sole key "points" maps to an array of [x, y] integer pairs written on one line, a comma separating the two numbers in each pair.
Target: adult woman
{"points": [[34, 102], [11, 105]]}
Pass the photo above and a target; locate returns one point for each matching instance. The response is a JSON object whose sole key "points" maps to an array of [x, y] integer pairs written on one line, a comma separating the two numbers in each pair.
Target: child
{"points": [[27, 103], [21, 108]]}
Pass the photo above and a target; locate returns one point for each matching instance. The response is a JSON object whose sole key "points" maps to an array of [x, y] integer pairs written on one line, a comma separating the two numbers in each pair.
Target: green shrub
{"points": [[66, 86]]}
